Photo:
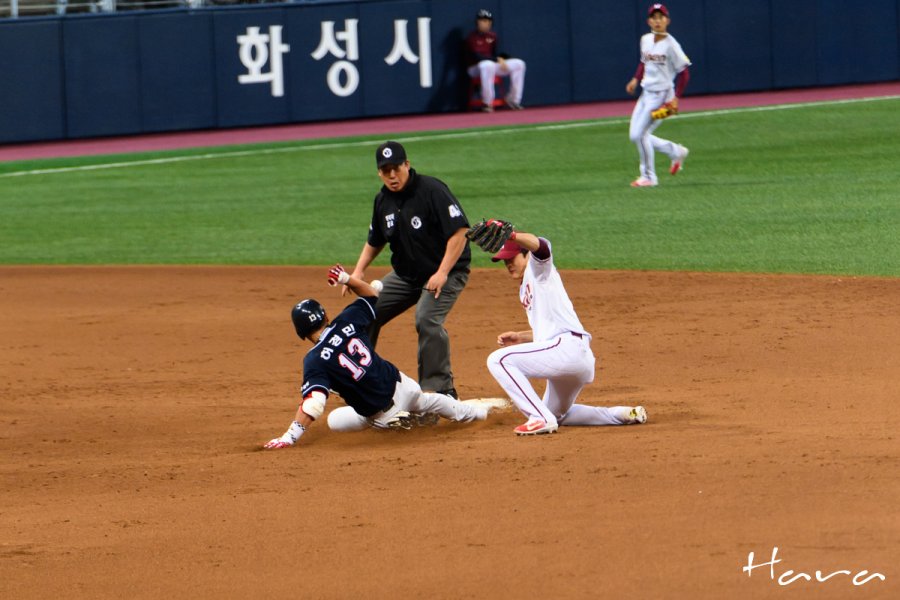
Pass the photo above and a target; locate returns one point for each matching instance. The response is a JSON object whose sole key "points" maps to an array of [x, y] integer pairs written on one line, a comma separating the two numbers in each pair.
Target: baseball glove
{"points": [[664, 111], [491, 234]]}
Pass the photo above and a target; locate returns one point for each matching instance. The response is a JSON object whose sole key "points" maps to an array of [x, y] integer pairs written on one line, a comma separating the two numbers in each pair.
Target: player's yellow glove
{"points": [[666, 110]]}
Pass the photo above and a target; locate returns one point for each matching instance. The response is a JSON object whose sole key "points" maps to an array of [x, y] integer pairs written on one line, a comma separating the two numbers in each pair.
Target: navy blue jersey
{"points": [[343, 360]]}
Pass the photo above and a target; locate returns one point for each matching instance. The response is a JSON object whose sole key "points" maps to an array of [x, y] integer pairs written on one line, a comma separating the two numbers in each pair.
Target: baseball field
{"points": [[751, 303]]}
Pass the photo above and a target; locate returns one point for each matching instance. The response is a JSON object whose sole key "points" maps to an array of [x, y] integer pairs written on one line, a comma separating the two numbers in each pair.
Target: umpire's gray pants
{"points": [[434, 342]]}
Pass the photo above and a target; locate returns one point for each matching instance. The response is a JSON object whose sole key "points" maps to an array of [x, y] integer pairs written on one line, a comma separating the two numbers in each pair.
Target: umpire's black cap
{"points": [[390, 153]]}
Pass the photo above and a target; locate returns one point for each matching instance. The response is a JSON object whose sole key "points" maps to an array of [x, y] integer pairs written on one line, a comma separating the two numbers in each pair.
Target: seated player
{"points": [[341, 359], [485, 62]]}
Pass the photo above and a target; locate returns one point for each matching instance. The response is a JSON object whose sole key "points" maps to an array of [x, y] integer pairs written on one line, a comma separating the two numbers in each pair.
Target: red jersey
{"points": [[481, 46]]}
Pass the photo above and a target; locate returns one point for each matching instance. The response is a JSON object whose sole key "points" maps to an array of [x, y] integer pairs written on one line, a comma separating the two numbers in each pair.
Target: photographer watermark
{"points": [[788, 577]]}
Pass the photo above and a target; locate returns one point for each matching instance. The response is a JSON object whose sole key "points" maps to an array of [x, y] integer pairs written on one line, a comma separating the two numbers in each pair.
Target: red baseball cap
{"points": [[509, 250], [658, 7]]}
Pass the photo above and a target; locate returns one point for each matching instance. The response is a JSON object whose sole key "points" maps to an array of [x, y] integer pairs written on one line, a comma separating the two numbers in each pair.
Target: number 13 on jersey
{"points": [[355, 348]]}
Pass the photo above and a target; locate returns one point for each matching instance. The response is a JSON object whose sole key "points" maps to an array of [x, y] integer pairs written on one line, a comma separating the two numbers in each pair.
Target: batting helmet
{"points": [[484, 14], [308, 316]]}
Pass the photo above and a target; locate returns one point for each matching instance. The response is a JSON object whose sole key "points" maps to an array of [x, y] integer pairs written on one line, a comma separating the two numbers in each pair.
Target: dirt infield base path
{"points": [[134, 401]]}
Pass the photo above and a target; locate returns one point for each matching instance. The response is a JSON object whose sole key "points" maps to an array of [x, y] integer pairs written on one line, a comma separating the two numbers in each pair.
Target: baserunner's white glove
{"points": [[289, 438]]}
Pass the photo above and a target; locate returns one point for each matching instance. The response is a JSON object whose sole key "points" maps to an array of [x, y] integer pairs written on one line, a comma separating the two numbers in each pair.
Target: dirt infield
{"points": [[135, 400]]}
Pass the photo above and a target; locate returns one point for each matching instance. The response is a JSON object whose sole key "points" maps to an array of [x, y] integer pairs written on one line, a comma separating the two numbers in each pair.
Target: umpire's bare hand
{"points": [[436, 283]]}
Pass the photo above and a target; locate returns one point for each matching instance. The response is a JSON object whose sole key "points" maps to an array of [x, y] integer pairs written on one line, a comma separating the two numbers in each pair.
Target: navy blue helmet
{"points": [[308, 316]]}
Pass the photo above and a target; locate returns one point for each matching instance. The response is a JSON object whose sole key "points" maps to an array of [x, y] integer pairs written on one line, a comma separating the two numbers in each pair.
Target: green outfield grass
{"points": [[792, 190]]}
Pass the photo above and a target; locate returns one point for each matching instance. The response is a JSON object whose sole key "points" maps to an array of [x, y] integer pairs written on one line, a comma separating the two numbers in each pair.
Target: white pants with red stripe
{"points": [[567, 363], [488, 69], [641, 131]]}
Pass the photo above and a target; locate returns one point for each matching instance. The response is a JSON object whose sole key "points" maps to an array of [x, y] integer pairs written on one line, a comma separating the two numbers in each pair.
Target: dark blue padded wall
{"points": [[857, 41], [605, 53], [98, 75], [739, 44], [398, 74], [311, 97], [102, 76], [178, 85], [257, 100], [31, 96], [540, 36], [794, 44], [455, 19]]}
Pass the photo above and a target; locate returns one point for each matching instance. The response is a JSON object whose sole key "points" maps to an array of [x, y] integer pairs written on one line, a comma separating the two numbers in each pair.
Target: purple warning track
{"points": [[395, 126]]}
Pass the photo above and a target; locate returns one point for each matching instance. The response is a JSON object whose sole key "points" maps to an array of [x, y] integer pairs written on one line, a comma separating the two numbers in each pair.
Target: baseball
{"points": [[377, 285]]}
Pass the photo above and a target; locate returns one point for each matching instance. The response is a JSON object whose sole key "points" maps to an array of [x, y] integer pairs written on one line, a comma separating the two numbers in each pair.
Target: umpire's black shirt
{"points": [[417, 221]]}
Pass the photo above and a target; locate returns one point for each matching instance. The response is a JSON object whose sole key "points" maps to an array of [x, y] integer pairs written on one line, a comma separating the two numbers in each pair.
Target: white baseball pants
{"points": [[408, 396], [567, 363], [642, 128], [488, 69]]}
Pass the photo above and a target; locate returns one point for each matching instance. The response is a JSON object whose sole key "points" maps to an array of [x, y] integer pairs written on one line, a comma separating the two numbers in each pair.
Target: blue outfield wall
{"points": [[142, 72]]}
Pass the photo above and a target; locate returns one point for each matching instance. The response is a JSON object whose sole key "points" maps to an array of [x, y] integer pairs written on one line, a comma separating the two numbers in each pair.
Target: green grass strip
{"points": [[773, 189]]}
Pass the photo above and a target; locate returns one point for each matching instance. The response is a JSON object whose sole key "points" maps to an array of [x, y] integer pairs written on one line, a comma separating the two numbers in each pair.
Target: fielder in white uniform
{"points": [[556, 348], [662, 59]]}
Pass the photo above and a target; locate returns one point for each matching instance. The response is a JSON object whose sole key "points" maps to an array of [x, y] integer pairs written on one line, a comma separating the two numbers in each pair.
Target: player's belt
{"points": [[578, 335], [389, 406]]}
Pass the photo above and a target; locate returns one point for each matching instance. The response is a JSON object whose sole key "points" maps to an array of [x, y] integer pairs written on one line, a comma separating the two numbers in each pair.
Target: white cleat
{"points": [[643, 182], [636, 416], [630, 415], [535, 426]]}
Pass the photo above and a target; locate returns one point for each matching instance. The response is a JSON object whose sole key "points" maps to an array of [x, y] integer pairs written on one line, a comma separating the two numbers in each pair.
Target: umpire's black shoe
{"points": [[450, 392]]}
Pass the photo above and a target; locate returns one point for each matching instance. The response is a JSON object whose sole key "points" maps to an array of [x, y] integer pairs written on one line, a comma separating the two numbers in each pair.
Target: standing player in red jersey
{"points": [[556, 347], [485, 62]]}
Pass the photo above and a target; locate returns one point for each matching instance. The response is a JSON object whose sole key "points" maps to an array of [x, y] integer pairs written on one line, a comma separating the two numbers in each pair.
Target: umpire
{"points": [[425, 226]]}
